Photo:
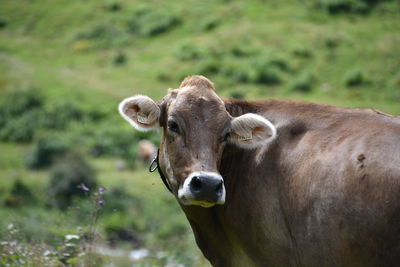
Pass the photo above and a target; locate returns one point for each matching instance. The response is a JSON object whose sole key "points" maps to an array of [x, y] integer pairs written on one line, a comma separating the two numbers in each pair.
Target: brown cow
{"points": [[146, 150], [301, 184]]}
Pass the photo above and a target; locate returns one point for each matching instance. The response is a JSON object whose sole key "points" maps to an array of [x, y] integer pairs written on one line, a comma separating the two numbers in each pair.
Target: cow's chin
{"points": [[191, 202]]}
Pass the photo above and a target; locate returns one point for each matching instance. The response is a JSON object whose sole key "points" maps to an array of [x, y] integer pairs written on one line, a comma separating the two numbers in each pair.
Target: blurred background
{"points": [[66, 64]]}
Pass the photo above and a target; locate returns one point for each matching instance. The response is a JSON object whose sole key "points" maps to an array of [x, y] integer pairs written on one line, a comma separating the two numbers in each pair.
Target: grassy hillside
{"points": [[65, 65]]}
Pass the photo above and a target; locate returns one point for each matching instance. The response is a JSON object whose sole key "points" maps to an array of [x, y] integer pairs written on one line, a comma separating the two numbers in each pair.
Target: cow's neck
{"points": [[252, 212]]}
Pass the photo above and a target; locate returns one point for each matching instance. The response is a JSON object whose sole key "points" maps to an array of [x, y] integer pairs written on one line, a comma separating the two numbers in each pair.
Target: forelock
{"points": [[197, 81]]}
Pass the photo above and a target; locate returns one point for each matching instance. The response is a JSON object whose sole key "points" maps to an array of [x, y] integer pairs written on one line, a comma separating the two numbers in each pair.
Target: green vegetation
{"points": [[65, 66]]}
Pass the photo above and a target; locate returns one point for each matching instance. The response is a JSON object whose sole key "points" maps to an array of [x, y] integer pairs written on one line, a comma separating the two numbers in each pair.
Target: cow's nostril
{"points": [[219, 188], [196, 183]]}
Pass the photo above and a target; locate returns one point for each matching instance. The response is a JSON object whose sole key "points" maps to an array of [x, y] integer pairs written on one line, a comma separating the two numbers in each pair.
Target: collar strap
{"points": [[155, 165]]}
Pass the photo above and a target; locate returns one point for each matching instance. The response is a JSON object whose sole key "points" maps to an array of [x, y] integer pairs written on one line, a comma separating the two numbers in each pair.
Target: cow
{"points": [[146, 150], [278, 183]]}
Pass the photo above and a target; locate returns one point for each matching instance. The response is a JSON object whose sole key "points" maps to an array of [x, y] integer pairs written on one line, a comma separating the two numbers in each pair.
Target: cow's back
{"points": [[341, 179]]}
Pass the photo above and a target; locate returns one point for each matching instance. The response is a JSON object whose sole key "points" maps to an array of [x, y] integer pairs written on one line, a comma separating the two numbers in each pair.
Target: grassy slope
{"points": [[39, 48]]}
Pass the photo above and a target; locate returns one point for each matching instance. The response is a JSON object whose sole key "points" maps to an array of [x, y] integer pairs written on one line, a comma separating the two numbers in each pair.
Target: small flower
{"points": [[84, 187], [101, 202], [102, 189], [79, 228]]}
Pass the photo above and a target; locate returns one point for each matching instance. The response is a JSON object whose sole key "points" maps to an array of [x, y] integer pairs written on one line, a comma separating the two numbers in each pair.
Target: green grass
{"points": [[68, 51]]}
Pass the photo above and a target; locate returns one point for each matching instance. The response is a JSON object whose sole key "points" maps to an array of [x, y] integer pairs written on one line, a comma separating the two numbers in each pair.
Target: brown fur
{"points": [[197, 81], [324, 193]]}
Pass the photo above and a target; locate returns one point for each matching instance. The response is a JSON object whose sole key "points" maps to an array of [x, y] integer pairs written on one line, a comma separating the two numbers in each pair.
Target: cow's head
{"points": [[196, 127]]}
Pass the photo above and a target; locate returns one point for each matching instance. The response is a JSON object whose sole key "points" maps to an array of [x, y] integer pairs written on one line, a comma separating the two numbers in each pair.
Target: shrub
{"points": [[237, 71], [354, 78], [208, 24], [19, 102], [243, 50], [3, 23], [304, 83], [147, 22], [119, 227], [16, 120], [346, 6], [59, 115], [112, 5], [331, 43], [100, 32], [44, 152], [267, 69], [19, 195], [113, 141], [187, 52], [120, 59], [118, 200], [268, 76], [67, 175], [100, 35], [21, 128], [164, 76], [237, 95], [23, 113], [302, 53]]}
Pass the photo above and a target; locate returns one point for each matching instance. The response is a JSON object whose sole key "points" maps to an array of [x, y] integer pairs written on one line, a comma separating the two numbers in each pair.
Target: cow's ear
{"points": [[251, 130], [141, 112]]}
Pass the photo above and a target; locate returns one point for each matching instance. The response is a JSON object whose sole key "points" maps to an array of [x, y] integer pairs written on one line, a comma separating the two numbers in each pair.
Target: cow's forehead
{"points": [[198, 107], [196, 97]]}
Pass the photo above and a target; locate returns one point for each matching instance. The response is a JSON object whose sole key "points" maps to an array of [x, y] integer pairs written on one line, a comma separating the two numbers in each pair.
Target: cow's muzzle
{"points": [[204, 189]]}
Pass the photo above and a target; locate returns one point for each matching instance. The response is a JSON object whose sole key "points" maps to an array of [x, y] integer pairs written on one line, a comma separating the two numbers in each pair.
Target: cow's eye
{"points": [[173, 126]]}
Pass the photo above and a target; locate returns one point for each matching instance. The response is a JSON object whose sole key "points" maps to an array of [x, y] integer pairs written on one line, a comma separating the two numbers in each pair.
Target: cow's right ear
{"points": [[141, 112]]}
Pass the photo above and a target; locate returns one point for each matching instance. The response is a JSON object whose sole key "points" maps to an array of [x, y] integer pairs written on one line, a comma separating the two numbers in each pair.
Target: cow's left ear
{"points": [[251, 130], [141, 112]]}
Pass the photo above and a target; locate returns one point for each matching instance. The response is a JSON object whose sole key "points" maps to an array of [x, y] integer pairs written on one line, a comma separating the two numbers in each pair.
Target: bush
{"points": [[100, 35], [147, 22], [304, 83], [19, 195], [268, 76], [346, 6], [302, 53], [354, 78], [237, 95], [268, 68], [21, 128], [20, 102], [59, 115], [187, 52], [208, 24], [243, 50], [238, 71], [118, 200], [113, 141], [20, 115], [23, 113], [3, 23], [45, 152], [67, 175], [119, 227], [105, 32], [120, 59], [112, 6]]}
